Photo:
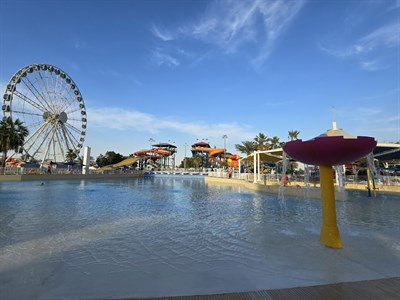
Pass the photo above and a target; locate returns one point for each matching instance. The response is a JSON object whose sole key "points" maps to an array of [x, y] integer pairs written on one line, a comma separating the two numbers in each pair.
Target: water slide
{"points": [[211, 151], [126, 162], [152, 152]]}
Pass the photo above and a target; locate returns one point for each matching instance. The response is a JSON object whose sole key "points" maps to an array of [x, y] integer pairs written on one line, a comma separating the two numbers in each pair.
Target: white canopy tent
{"points": [[272, 155]]}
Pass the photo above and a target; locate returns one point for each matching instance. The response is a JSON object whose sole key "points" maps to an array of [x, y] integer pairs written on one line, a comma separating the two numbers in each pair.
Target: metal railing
{"points": [[42, 171], [380, 180]]}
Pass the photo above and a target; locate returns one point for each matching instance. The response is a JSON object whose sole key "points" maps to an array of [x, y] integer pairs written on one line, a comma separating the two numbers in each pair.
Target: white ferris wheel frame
{"points": [[51, 106]]}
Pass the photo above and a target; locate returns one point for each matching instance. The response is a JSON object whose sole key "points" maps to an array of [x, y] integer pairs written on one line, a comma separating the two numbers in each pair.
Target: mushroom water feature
{"points": [[335, 147]]}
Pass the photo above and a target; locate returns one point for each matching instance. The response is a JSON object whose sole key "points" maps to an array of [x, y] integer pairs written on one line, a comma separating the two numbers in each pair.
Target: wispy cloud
{"points": [[162, 34], [135, 80], [372, 65], [122, 119], [162, 58], [228, 25], [373, 120], [386, 37], [371, 49]]}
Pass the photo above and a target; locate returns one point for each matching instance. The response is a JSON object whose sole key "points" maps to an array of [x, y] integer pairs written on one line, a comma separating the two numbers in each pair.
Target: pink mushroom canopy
{"points": [[330, 150]]}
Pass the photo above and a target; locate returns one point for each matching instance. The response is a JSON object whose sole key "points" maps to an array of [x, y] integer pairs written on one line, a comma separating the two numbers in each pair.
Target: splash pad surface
{"points": [[179, 236]]}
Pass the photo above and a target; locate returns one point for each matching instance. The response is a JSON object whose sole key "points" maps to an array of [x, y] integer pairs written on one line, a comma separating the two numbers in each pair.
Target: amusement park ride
{"points": [[163, 155], [160, 155], [213, 157], [50, 105]]}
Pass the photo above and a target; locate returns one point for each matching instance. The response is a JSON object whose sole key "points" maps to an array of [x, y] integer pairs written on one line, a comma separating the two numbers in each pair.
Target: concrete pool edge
{"points": [[296, 190], [386, 288]]}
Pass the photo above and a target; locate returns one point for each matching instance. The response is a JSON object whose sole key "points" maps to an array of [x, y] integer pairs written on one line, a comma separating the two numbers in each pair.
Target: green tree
{"points": [[12, 136], [261, 141], [109, 158], [275, 143], [293, 134], [71, 155], [196, 161], [247, 147]]}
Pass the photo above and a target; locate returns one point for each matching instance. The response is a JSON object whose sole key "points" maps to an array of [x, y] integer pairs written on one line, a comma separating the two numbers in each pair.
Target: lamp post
{"points": [[184, 159], [151, 141], [225, 137], [173, 151]]}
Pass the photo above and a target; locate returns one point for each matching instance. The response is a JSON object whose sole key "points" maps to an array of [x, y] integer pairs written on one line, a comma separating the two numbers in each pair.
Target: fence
{"points": [[380, 180], [62, 170]]}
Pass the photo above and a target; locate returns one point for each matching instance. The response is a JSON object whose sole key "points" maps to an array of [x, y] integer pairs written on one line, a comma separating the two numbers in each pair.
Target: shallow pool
{"points": [[179, 236]]}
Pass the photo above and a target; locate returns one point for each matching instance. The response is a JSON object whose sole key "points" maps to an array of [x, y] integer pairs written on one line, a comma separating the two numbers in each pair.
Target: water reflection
{"points": [[166, 233]]}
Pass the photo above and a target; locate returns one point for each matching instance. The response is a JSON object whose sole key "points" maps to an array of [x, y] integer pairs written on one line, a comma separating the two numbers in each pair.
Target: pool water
{"points": [[168, 236]]}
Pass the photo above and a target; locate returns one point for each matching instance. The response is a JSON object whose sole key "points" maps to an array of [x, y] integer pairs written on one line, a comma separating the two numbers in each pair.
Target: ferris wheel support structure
{"points": [[51, 106]]}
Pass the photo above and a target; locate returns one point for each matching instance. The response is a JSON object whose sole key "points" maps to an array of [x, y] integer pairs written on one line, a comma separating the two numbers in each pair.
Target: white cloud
{"points": [[162, 58], [226, 25], [373, 65], [230, 24], [122, 119], [367, 48], [385, 37], [162, 34]]}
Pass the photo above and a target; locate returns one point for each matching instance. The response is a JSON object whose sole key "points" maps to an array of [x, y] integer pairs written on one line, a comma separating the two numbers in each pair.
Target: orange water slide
{"points": [[212, 151], [162, 152], [141, 152], [150, 151]]}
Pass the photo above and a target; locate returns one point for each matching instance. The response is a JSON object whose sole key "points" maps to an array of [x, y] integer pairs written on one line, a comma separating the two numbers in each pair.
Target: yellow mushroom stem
{"points": [[330, 235]]}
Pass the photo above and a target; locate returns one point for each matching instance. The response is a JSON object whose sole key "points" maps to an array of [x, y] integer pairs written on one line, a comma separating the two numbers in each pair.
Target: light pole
{"points": [[151, 141], [225, 137], [184, 159], [171, 142]]}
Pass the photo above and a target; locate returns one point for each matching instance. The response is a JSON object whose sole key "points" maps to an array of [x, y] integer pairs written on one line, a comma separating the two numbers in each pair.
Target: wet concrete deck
{"points": [[388, 289]]}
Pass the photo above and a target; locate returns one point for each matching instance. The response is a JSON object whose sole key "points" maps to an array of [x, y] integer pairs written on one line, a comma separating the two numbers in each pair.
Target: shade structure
{"points": [[265, 157], [330, 150]]}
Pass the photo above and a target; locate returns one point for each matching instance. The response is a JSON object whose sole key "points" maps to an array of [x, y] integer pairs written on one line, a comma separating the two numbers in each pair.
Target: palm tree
{"points": [[197, 160], [293, 134], [261, 142], [247, 147], [71, 155], [275, 143], [12, 136]]}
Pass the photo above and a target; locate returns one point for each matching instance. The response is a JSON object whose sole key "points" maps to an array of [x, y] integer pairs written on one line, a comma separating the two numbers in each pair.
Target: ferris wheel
{"points": [[51, 106]]}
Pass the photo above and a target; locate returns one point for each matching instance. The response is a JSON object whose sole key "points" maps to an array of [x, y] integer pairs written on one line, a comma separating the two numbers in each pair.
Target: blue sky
{"points": [[178, 71]]}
